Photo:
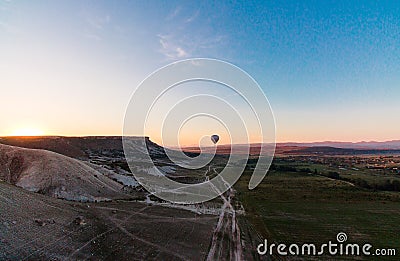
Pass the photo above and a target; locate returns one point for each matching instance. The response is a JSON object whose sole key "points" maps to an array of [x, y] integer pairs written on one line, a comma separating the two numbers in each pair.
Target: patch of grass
{"points": [[298, 207]]}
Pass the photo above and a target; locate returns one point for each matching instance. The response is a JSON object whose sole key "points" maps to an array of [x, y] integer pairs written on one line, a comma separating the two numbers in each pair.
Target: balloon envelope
{"points": [[215, 138]]}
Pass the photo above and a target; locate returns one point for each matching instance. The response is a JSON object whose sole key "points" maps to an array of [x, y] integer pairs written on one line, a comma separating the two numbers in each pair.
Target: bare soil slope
{"points": [[55, 175]]}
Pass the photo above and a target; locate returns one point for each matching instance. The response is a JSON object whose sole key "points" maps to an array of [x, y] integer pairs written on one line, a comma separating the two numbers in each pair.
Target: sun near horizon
{"points": [[27, 132]]}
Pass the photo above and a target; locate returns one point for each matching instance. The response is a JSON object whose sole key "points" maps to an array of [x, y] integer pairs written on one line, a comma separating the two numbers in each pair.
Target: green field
{"points": [[299, 207]]}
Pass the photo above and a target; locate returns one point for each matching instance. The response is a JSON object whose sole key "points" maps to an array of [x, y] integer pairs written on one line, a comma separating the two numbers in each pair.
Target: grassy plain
{"points": [[298, 207]]}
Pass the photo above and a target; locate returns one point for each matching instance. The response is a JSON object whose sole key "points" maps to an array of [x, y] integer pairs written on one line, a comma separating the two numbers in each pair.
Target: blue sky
{"points": [[329, 68]]}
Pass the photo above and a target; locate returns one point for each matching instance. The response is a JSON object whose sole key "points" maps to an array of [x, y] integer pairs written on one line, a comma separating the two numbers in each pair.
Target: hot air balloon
{"points": [[215, 138]]}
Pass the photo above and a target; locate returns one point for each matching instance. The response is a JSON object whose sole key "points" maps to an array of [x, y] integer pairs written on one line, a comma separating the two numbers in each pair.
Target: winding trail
{"points": [[226, 242]]}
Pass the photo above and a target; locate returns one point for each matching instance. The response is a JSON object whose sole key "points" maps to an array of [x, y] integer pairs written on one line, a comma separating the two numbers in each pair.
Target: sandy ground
{"points": [[36, 227]]}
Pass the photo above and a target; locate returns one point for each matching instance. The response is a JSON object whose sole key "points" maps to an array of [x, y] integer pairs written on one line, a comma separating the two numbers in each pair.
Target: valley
{"points": [[76, 198]]}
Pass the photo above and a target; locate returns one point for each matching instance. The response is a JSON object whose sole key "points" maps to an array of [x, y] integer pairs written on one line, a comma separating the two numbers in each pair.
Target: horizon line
{"points": [[193, 145]]}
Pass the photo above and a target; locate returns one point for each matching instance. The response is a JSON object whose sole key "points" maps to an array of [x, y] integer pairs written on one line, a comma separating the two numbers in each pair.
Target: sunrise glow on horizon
{"points": [[330, 71], [27, 132]]}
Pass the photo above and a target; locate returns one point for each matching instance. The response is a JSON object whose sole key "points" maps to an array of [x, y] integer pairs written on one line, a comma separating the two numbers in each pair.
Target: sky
{"points": [[330, 69]]}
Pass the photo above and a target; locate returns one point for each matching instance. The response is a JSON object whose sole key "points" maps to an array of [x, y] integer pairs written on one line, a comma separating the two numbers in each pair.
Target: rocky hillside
{"points": [[55, 175]]}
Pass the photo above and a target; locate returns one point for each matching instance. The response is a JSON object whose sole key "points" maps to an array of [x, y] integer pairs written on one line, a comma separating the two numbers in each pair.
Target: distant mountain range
{"points": [[369, 145], [325, 147], [78, 147]]}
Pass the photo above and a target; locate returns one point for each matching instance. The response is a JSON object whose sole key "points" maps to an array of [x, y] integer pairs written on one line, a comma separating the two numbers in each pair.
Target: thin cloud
{"points": [[171, 50], [186, 46], [181, 38], [96, 23], [193, 17], [181, 53], [173, 14]]}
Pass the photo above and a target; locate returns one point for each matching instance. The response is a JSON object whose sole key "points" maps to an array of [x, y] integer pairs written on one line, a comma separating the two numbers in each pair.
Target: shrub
{"points": [[333, 175]]}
